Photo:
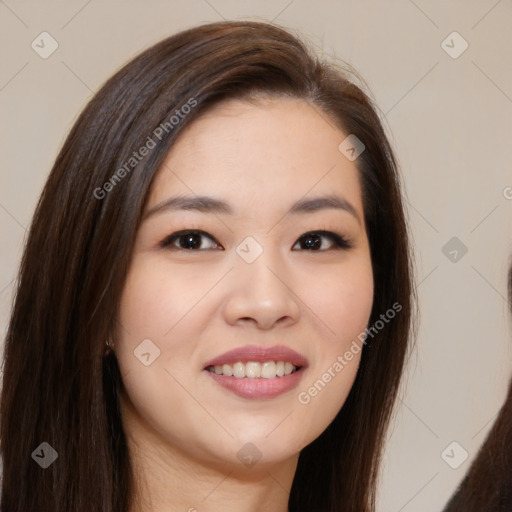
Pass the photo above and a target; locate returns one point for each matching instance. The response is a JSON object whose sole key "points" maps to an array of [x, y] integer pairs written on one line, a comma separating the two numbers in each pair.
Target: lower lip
{"points": [[259, 389]]}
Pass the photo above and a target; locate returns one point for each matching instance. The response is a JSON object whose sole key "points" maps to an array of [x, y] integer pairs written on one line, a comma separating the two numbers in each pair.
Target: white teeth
{"points": [[239, 370], [268, 370], [254, 370]]}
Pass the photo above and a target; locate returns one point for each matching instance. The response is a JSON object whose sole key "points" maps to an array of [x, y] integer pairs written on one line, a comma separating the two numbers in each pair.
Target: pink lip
{"points": [[259, 355], [258, 388]]}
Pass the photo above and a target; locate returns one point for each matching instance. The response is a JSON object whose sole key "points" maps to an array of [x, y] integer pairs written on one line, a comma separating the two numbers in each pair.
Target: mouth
{"points": [[255, 369], [256, 372]]}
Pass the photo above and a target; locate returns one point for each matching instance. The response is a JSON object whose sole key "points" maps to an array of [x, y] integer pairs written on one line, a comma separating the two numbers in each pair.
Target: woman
{"points": [[215, 300], [488, 485]]}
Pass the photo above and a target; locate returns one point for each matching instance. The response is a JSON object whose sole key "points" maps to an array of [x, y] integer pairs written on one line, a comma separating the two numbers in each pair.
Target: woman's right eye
{"points": [[188, 240]]}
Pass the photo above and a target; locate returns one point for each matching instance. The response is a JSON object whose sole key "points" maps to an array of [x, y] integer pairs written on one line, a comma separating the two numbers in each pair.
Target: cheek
{"points": [[151, 354], [151, 308], [155, 300], [343, 302], [161, 317], [343, 306]]}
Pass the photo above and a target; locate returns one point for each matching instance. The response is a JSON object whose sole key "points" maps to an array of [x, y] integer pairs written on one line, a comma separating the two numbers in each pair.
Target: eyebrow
{"points": [[208, 204]]}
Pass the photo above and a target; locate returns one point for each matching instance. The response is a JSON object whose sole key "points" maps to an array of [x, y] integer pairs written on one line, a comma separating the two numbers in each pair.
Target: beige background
{"points": [[450, 121]]}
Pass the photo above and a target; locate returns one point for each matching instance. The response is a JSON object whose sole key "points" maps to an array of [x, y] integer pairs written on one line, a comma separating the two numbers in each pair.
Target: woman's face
{"points": [[247, 281]]}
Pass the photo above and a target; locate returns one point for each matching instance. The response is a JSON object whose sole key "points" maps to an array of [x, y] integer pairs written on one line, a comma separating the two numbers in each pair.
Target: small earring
{"points": [[109, 345]]}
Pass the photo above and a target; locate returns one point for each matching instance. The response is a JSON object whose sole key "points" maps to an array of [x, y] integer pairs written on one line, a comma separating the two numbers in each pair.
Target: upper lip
{"points": [[260, 355]]}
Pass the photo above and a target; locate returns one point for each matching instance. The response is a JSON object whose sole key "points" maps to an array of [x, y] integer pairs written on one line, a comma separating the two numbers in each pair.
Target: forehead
{"points": [[255, 154]]}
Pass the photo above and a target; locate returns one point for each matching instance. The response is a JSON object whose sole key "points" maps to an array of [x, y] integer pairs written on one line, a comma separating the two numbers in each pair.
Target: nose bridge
{"points": [[259, 288], [261, 267]]}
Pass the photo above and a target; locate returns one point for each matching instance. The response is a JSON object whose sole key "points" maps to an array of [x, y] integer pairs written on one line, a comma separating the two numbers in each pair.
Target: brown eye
{"points": [[313, 241], [189, 240]]}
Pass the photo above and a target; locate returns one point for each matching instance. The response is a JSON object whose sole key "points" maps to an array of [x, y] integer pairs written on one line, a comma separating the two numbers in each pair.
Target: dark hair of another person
{"points": [[487, 486], [58, 385]]}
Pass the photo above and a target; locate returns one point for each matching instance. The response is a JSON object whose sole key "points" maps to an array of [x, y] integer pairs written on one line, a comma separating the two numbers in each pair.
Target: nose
{"points": [[261, 293]]}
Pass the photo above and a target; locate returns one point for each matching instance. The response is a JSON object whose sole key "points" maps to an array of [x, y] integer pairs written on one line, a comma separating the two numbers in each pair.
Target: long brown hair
{"points": [[59, 386], [487, 486]]}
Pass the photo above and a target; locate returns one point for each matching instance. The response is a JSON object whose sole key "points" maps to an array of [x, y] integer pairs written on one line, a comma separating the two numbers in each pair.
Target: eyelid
{"points": [[167, 241], [340, 242]]}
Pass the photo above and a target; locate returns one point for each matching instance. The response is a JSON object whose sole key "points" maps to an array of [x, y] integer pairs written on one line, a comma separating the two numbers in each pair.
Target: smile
{"points": [[254, 369]]}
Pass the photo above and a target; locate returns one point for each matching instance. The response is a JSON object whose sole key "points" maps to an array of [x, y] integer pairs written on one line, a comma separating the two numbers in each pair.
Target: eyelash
{"points": [[340, 242]]}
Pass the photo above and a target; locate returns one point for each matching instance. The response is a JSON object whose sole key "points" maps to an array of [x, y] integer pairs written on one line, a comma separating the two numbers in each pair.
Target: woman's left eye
{"points": [[312, 241]]}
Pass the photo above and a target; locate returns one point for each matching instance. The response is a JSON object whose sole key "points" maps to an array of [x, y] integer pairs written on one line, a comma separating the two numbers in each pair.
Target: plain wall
{"points": [[450, 120]]}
